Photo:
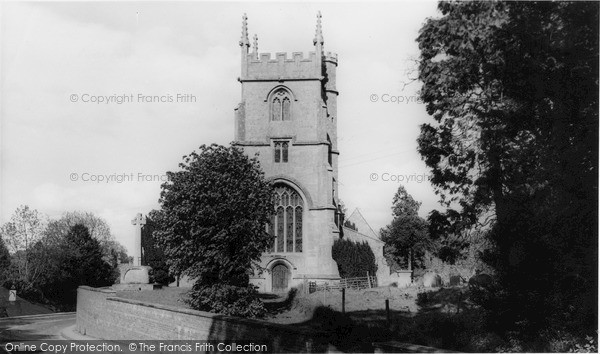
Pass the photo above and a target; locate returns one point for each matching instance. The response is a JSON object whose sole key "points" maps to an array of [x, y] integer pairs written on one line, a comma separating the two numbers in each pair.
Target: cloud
{"points": [[52, 51]]}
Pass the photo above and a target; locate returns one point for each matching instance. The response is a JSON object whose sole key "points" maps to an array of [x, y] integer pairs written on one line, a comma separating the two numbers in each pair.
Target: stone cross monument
{"points": [[138, 222], [135, 277]]}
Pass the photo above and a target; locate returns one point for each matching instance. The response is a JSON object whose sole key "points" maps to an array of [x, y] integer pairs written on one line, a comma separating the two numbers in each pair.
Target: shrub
{"points": [[227, 300], [353, 259], [590, 345]]}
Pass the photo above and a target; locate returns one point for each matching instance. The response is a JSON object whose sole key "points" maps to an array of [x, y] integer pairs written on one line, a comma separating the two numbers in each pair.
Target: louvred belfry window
{"points": [[281, 106]]}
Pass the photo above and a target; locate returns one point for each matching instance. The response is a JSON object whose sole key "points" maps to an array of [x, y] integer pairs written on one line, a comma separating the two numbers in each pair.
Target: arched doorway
{"points": [[281, 278]]}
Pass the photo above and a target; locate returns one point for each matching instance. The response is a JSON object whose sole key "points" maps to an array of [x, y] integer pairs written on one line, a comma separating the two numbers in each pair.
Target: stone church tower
{"points": [[288, 115]]}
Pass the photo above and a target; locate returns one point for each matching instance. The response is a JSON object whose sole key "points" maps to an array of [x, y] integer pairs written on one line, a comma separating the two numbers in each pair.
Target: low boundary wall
{"points": [[102, 315]]}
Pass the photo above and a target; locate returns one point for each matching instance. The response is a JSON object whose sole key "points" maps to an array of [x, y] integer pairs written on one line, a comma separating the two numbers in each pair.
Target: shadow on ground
{"points": [[446, 319], [278, 303], [20, 307]]}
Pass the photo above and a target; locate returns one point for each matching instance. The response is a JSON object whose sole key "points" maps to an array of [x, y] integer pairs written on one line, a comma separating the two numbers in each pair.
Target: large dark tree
{"points": [[153, 255], [212, 224], [354, 259], [73, 260], [112, 251], [513, 89], [406, 237]]}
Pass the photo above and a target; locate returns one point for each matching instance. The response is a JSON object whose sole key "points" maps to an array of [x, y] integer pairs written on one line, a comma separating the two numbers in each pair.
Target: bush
{"points": [[590, 345], [227, 300], [353, 259]]}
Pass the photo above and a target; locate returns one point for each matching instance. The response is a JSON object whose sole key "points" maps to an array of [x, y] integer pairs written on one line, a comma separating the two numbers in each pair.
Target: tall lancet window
{"points": [[285, 109], [276, 111], [286, 227], [281, 106]]}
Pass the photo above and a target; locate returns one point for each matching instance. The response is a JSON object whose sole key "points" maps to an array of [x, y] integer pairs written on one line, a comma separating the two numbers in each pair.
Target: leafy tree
{"points": [[75, 260], [211, 224], [153, 255], [20, 234], [112, 251], [4, 261], [406, 238], [513, 89], [404, 204], [353, 259]]}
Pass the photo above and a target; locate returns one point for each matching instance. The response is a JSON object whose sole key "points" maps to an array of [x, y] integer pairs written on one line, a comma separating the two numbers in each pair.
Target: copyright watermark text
{"points": [[146, 346], [399, 178], [126, 98], [124, 177], [398, 99]]}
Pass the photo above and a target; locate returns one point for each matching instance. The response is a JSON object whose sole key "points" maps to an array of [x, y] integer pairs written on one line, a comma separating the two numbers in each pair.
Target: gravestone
{"points": [[432, 280], [12, 294]]}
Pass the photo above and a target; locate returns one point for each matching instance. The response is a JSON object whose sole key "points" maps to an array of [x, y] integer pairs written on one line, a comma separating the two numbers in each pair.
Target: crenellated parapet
{"points": [[283, 66], [331, 57], [317, 65]]}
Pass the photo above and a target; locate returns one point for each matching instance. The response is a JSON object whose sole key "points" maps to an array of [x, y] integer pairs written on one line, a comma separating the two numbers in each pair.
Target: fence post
{"points": [[387, 311], [369, 280], [343, 300], [305, 285]]}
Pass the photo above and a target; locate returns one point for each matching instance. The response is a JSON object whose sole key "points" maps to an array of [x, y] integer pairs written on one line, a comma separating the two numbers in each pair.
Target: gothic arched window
{"points": [[281, 106], [285, 109], [286, 227], [276, 110], [281, 151], [280, 229]]}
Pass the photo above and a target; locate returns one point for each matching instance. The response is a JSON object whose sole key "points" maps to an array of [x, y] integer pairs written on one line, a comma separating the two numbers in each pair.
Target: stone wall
{"points": [[102, 315]]}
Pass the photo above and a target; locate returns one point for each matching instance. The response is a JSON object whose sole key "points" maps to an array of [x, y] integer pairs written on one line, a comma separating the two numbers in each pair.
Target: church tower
{"points": [[288, 115]]}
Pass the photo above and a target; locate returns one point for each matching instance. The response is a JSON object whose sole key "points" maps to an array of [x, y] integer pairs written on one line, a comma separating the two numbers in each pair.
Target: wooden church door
{"points": [[280, 278]]}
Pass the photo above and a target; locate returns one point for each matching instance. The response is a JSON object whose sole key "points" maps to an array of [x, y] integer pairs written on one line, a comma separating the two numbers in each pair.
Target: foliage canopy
{"points": [[353, 259], [513, 90], [211, 224]]}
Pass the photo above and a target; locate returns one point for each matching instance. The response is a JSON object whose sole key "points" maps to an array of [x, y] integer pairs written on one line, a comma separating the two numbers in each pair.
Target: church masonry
{"points": [[288, 115]]}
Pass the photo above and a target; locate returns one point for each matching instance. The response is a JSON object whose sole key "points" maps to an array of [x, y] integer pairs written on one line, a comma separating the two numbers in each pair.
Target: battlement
{"points": [[282, 66], [279, 56], [332, 57]]}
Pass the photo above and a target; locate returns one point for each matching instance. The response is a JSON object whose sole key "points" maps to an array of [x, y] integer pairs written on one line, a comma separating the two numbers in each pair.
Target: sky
{"points": [[99, 99]]}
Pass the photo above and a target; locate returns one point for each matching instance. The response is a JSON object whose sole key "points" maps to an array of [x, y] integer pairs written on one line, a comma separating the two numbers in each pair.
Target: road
{"points": [[37, 327]]}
